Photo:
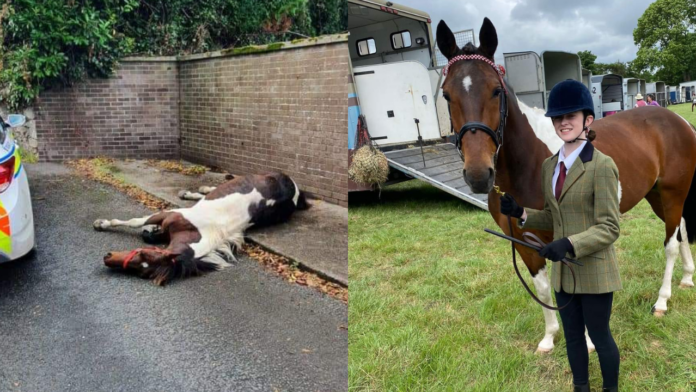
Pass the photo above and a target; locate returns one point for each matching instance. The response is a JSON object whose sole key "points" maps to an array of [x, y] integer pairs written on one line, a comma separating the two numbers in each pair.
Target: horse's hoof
{"points": [[659, 313], [543, 351], [182, 194], [686, 285], [98, 224]]}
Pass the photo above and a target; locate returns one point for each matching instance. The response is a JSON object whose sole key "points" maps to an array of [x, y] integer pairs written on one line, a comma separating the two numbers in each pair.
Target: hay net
{"points": [[369, 165]]}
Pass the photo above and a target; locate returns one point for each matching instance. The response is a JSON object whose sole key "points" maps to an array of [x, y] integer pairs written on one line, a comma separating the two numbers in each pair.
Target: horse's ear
{"points": [[446, 41], [488, 39]]}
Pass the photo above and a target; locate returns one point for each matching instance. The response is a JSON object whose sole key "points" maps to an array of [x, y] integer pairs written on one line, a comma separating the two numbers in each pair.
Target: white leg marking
{"points": [[543, 289], [467, 83], [186, 195], [687, 259], [590, 345], [101, 224], [671, 251], [206, 189], [297, 193], [619, 192]]}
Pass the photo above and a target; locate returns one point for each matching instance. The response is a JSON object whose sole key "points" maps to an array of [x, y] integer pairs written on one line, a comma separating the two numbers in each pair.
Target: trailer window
{"points": [[366, 47], [401, 40]]}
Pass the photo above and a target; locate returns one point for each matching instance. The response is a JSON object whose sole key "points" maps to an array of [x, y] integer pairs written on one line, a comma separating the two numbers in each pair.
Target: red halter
{"points": [[134, 252]]}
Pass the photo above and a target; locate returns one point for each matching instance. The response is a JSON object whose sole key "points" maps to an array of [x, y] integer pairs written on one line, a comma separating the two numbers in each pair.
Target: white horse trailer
{"points": [[533, 76], [650, 88], [607, 94], [587, 78], [642, 87], [674, 94], [661, 93], [396, 87], [631, 87], [687, 90]]}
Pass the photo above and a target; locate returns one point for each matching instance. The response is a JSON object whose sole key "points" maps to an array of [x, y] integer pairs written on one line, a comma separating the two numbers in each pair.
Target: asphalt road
{"points": [[69, 324]]}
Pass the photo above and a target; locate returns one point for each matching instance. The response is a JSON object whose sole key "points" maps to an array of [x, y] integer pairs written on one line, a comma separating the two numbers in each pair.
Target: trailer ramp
{"points": [[442, 169]]}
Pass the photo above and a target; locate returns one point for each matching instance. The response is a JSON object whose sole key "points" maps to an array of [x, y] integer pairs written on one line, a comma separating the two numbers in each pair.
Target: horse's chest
{"points": [[232, 210]]}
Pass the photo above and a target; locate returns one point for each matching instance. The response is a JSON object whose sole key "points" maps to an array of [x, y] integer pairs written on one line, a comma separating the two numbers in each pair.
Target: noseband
{"points": [[473, 126]]}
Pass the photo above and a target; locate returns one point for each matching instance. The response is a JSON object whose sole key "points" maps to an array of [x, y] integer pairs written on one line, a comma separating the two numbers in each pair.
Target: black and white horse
{"points": [[203, 237]]}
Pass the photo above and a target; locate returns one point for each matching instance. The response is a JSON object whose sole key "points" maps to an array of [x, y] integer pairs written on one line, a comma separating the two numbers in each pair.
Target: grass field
{"points": [[684, 110], [435, 304]]}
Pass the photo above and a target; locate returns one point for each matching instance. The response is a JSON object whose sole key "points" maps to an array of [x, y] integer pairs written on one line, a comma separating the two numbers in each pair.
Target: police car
{"points": [[16, 218]]}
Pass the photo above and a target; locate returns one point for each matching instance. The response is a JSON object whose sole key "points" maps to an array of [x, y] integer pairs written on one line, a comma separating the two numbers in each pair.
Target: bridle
{"points": [[473, 126], [134, 252]]}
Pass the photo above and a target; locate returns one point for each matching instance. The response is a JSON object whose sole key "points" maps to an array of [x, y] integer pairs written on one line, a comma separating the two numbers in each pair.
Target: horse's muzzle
{"points": [[480, 181]]}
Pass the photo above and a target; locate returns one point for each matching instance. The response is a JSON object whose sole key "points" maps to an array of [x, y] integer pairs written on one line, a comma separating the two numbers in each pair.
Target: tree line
{"points": [[666, 40]]}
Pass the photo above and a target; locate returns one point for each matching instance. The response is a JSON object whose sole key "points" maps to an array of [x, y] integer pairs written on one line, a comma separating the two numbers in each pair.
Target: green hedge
{"points": [[58, 42]]}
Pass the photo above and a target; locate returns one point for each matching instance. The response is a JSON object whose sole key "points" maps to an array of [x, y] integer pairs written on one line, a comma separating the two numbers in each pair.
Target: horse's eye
{"points": [[497, 92]]}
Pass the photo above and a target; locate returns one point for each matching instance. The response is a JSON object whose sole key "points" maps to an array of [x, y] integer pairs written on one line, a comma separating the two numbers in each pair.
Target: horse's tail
{"points": [[689, 213]]}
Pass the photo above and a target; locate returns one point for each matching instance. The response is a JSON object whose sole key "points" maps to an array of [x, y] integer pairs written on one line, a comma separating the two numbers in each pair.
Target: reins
{"points": [[497, 137]]}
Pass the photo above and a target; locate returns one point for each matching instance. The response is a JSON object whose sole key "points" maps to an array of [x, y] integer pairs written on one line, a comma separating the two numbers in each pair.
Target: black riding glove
{"points": [[508, 206], [556, 250]]}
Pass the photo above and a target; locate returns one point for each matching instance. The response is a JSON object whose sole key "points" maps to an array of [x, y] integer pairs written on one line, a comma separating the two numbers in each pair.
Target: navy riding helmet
{"points": [[569, 96]]}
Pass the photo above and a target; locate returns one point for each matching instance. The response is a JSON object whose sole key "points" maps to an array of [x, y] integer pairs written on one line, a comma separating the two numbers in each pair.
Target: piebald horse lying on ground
{"points": [[203, 237]]}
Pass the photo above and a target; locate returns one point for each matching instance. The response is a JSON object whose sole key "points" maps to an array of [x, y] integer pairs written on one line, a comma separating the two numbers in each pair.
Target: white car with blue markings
{"points": [[16, 217]]}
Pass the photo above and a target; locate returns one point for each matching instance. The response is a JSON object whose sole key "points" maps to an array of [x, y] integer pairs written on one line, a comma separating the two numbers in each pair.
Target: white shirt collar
{"points": [[570, 159]]}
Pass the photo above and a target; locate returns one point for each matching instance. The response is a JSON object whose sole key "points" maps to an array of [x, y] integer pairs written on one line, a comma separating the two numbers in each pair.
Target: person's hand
{"points": [[508, 206], [556, 250]]}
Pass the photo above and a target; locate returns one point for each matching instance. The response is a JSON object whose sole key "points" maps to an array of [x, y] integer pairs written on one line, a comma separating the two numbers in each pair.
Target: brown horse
{"points": [[654, 149], [203, 237]]}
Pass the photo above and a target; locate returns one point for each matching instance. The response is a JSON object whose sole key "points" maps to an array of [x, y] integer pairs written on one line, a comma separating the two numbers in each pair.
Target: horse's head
{"points": [[472, 89], [161, 265]]}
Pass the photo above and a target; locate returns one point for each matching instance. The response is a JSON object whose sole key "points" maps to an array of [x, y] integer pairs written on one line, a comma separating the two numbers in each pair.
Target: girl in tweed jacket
{"points": [[581, 206]]}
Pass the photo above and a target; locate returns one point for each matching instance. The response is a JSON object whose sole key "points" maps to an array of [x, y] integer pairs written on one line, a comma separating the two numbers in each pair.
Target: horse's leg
{"points": [[590, 345], [186, 195], [543, 290], [671, 209], [687, 259], [206, 189], [537, 268], [155, 219]]}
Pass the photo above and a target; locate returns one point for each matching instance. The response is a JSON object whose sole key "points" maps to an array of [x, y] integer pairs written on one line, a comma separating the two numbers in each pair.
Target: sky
{"points": [[604, 27]]}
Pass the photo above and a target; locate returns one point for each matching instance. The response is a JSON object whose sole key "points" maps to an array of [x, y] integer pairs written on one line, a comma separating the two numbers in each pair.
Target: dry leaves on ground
{"points": [[98, 169], [178, 167], [285, 268]]}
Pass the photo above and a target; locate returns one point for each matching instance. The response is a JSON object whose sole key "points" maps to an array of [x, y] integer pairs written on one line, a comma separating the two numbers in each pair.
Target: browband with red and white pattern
{"points": [[497, 67]]}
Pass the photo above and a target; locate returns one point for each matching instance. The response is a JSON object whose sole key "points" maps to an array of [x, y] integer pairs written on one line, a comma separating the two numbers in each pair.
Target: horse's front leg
{"points": [[543, 290], [537, 268], [155, 219]]}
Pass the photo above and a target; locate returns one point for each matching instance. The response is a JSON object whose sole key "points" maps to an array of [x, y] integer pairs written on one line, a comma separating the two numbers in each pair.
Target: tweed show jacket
{"points": [[588, 214]]}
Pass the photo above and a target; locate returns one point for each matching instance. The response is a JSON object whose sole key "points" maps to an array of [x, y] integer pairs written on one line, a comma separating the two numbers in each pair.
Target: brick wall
{"points": [[283, 110], [133, 114]]}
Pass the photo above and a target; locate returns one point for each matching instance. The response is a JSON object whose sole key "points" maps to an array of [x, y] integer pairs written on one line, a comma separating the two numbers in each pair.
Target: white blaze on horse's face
{"points": [[466, 83]]}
